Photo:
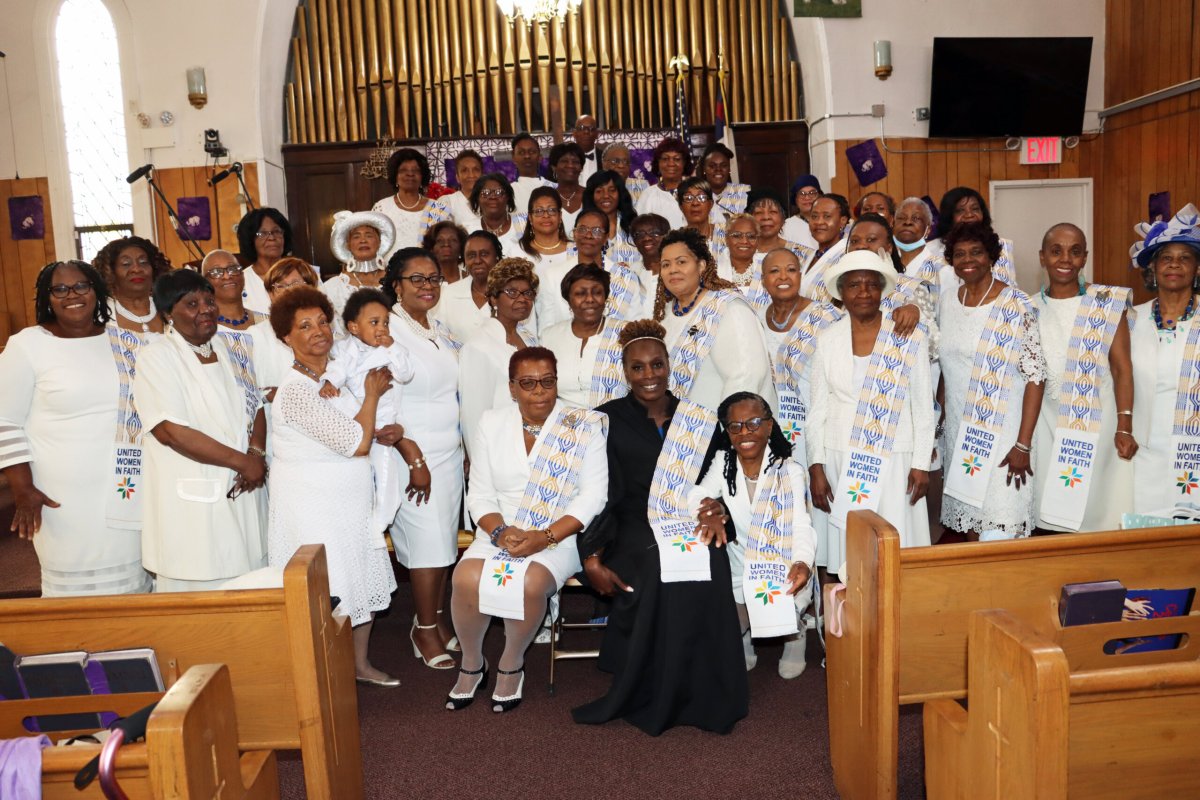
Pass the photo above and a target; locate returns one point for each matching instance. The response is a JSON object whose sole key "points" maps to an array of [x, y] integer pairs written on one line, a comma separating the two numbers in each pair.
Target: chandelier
{"points": [[539, 11]]}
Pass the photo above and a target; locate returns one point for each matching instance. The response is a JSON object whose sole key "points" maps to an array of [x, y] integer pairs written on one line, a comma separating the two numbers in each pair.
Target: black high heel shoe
{"points": [[503, 704], [456, 701]]}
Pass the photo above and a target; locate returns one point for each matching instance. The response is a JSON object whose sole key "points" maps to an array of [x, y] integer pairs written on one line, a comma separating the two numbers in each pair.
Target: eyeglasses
{"points": [[279, 287], [586, 129], [751, 425], [529, 384], [595, 233], [696, 198], [492, 193], [61, 290], [513, 294], [221, 272], [641, 235], [423, 280], [616, 162], [808, 193], [741, 236], [272, 234], [544, 212]]}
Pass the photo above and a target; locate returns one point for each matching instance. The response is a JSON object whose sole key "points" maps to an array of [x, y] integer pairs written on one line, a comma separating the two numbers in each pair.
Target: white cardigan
{"points": [[835, 396]]}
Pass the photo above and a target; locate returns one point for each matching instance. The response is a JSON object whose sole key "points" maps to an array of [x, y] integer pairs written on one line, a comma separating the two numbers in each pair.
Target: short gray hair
{"points": [[917, 201]]}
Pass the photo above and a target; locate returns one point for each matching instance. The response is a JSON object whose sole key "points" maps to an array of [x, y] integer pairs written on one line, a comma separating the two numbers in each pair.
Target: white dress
{"points": [[459, 206], [410, 225], [192, 534], [835, 395], [426, 535], [322, 494], [338, 289], [522, 188], [1156, 363], [254, 292], [550, 307], [659, 201], [1113, 494], [796, 230], [456, 310], [737, 360], [58, 413], [576, 363], [1006, 507], [483, 374], [272, 358], [500, 470], [741, 511]]}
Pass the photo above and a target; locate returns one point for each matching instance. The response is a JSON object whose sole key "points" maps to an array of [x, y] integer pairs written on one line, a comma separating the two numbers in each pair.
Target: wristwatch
{"points": [[551, 542]]}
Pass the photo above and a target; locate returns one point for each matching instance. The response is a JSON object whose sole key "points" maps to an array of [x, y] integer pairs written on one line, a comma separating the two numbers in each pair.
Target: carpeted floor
{"points": [[413, 748]]}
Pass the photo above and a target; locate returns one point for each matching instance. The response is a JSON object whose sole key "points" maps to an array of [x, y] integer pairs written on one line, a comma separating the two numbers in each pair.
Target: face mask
{"points": [[908, 248]]}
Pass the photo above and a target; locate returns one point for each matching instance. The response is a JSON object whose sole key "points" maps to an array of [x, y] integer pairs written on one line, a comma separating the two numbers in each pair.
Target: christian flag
{"points": [[723, 132]]}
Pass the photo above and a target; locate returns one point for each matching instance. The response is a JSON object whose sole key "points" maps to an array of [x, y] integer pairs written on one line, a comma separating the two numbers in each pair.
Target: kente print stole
{"points": [[1068, 478], [239, 345], [1185, 435], [553, 480], [884, 391], [624, 292], [790, 362], [970, 463], [769, 554], [691, 347], [681, 556], [608, 374], [820, 292], [124, 507]]}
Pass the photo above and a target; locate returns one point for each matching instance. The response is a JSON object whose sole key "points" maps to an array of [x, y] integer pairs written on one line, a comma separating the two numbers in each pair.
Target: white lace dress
{"points": [[1006, 507], [1114, 494], [410, 225], [320, 493]]}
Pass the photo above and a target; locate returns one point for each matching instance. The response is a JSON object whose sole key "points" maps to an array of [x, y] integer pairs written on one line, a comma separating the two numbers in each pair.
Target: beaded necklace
{"points": [[1169, 324], [683, 312]]}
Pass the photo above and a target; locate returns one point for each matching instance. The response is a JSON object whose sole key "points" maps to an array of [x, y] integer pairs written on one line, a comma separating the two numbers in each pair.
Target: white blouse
{"points": [[457, 310], [659, 201], [459, 206], [576, 362], [483, 375]]}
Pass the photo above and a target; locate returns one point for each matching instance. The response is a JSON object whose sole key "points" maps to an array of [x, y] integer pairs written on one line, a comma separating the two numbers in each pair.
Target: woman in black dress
{"points": [[674, 649]]}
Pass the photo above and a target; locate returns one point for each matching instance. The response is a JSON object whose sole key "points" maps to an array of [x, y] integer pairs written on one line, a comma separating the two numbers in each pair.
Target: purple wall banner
{"points": [[1160, 207], [27, 217], [867, 162], [196, 215]]}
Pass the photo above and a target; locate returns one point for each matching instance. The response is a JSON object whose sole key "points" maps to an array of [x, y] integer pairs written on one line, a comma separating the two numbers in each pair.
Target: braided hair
{"points": [[698, 245], [778, 446]]}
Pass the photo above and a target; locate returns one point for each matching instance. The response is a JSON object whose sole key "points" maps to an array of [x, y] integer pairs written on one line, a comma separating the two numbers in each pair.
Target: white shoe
{"points": [[792, 664], [748, 651]]}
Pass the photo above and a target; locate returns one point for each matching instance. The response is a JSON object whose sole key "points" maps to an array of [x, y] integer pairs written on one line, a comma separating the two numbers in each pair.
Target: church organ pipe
{"points": [[458, 68]]}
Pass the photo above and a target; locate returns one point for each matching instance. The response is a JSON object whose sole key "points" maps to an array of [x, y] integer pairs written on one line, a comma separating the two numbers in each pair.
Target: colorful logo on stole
{"points": [[1187, 481], [503, 574], [859, 492], [125, 488], [792, 430], [767, 591], [972, 464], [1071, 478], [685, 542]]}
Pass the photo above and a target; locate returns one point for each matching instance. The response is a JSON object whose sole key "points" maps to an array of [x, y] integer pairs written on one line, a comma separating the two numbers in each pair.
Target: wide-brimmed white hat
{"points": [[862, 260], [346, 221]]}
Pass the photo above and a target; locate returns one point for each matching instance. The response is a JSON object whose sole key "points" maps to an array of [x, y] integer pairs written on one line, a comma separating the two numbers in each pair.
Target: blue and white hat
{"points": [[1184, 227]]}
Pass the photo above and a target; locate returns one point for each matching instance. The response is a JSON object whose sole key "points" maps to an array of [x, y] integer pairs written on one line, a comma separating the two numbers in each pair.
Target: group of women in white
{"points": [[688, 401]]}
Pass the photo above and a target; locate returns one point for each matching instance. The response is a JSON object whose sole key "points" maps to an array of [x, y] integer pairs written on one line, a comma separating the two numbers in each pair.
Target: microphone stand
{"points": [[245, 191], [180, 229]]}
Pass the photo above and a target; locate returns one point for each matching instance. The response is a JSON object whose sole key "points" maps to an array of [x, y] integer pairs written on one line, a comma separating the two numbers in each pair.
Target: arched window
{"points": [[93, 113]]}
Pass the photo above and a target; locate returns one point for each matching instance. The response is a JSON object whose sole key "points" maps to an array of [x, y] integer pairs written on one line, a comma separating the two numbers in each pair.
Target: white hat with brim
{"points": [[346, 221], [862, 260]]}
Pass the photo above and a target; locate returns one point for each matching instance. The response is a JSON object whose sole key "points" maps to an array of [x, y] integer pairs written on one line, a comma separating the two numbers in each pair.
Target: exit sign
{"points": [[1041, 150]]}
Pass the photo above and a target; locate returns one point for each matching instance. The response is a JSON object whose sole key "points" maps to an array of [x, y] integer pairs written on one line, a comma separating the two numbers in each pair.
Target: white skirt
{"points": [[562, 561], [426, 536]]}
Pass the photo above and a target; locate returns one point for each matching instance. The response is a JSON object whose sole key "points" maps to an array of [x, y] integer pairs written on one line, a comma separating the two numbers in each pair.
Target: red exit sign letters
{"points": [[1041, 150]]}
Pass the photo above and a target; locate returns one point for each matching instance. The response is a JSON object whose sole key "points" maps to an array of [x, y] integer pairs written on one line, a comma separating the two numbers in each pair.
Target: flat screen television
{"points": [[1009, 86]]}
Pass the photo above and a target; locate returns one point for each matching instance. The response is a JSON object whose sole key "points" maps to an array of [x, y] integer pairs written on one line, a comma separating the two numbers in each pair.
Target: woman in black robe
{"points": [[674, 649]]}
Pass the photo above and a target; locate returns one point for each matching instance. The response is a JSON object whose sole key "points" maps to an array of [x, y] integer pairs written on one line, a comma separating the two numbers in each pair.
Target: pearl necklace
{"points": [[417, 207], [142, 319], [963, 300], [203, 350], [429, 334]]}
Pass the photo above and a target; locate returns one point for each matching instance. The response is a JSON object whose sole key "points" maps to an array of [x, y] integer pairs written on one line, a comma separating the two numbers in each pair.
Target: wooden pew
{"points": [[190, 752], [904, 620], [291, 662], [1037, 728]]}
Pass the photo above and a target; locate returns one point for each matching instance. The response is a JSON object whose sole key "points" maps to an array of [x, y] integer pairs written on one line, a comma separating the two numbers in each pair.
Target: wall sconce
{"points": [[883, 59], [198, 87]]}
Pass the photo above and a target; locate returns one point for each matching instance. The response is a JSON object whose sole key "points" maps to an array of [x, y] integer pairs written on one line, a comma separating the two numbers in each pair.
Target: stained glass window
{"points": [[93, 113]]}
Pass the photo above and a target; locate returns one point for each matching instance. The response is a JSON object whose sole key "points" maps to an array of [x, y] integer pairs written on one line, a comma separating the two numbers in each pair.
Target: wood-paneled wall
{"points": [[226, 211], [21, 261], [1150, 45]]}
